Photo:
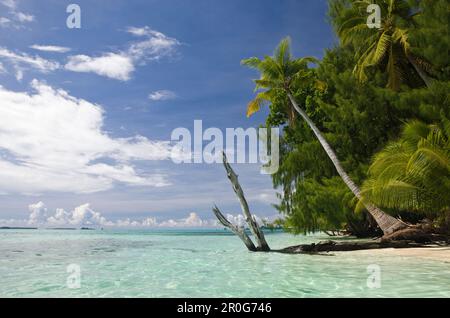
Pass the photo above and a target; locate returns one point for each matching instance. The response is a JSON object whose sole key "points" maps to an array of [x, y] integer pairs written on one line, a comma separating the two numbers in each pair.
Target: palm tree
{"points": [[387, 47], [280, 74], [413, 173]]}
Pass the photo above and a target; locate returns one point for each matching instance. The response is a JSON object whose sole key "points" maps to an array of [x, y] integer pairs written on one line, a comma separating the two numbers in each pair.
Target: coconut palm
{"points": [[280, 73], [386, 47], [413, 173]]}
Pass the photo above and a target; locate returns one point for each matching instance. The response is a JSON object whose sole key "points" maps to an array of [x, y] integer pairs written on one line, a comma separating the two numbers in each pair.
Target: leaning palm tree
{"points": [[388, 46], [413, 173], [280, 74]]}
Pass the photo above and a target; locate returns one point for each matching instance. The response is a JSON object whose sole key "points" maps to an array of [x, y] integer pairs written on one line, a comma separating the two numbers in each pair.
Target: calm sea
{"points": [[200, 263]]}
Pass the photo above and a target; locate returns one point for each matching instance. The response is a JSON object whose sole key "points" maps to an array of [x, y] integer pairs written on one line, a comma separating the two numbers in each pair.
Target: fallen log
{"points": [[332, 246], [413, 236]]}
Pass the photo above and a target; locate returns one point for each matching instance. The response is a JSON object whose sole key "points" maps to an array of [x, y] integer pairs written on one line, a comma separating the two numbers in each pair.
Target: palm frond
{"points": [[260, 100], [252, 62]]}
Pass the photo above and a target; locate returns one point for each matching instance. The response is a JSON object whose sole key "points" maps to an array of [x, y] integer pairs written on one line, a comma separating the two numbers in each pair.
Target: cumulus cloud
{"points": [[121, 65], [85, 216], [162, 95], [53, 142], [82, 216], [112, 65], [38, 214], [193, 220], [50, 48], [23, 61]]}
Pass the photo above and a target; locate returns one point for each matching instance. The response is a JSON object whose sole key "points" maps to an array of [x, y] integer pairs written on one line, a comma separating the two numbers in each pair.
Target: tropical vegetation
{"points": [[372, 114]]}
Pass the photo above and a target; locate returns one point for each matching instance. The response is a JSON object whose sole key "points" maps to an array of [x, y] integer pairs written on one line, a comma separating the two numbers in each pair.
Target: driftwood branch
{"points": [[253, 225], [249, 218], [235, 229]]}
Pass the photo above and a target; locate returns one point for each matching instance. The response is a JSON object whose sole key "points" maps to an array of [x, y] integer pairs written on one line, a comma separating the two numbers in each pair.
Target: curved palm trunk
{"points": [[387, 223], [425, 78]]}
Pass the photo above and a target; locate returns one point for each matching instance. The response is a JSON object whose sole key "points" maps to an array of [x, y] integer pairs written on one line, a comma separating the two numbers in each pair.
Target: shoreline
{"points": [[441, 254]]}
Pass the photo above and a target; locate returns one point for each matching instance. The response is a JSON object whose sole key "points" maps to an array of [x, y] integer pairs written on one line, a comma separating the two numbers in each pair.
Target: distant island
{"points": [[56, 228], [17, 228]]}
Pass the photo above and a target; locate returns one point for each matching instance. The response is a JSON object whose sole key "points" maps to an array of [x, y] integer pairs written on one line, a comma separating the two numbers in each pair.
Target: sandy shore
{"points": [[441, 254]]}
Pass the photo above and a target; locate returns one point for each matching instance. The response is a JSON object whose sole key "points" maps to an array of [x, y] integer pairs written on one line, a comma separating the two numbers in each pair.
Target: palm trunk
{"points": [[425, 78], [387, 223]]}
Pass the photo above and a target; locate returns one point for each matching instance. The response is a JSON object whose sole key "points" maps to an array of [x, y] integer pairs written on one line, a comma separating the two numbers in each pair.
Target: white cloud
{"points": [[12, 4], [112, 65], [156, 46], [2, 69], [121, 65], [35, 62], [53, 142], [193, 220], [162, 95], [4, 22], [138, 31], [23, 61], [50, 48], [239, 219], [38, 214], [23, 17], [85, 216], [14, 14], [265, 196], [82, 216]]}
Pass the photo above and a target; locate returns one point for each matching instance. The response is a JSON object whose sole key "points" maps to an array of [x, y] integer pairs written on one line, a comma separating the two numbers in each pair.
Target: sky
{"points": [[86, 114]]}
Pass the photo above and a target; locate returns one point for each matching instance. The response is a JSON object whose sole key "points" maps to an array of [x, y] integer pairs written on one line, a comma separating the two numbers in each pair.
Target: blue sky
{"points": [[185, 53]]}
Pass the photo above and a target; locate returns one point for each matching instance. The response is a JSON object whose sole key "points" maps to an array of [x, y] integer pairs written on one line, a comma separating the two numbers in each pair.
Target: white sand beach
{"points": [[441, 254]]}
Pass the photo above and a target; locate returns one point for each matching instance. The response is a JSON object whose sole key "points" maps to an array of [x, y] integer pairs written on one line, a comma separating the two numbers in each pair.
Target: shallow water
{"points": [[199, 263]]}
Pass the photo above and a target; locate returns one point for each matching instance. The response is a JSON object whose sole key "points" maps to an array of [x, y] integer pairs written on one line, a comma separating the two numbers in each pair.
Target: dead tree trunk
{"points": [[253, 225], [235, 229]]}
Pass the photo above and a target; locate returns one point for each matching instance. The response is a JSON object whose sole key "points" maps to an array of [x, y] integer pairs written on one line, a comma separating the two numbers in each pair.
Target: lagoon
{"points": [[201, 263]]}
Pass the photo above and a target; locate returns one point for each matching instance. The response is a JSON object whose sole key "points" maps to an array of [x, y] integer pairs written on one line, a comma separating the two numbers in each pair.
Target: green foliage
{"points": [[362, 119], [431, 39], [413, 173], [279, 74], [388, 47]]}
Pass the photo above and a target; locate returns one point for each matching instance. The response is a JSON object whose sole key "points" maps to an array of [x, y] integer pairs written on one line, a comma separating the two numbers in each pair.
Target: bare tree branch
{"points": [[235, 229], [254, 227]]}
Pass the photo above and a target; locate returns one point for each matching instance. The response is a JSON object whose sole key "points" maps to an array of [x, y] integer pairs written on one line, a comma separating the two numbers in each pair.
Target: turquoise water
{"points": [[201, 263]]}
